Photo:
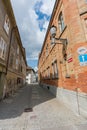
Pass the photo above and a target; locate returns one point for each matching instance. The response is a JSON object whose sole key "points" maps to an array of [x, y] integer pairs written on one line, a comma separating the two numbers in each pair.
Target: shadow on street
{"points": [[26, 97], [40, 95]]}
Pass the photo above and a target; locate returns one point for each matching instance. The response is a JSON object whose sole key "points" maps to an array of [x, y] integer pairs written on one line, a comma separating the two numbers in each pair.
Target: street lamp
{"points": [[63, 41], [53, 31]]}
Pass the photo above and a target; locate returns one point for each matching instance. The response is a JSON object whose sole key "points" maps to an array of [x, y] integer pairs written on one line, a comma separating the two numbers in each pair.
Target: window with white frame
{"points": [[18, 50], [3, 47], [61, 22], [16, 63], [54, 70], [7, 24]]}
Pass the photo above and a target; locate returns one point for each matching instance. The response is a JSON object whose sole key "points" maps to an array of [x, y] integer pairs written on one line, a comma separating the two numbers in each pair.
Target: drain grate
{"points": [[33, 117], [28, 110]]}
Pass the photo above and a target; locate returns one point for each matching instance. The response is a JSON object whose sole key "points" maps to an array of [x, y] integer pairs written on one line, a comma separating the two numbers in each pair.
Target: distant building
{"points": [[30, 75], [36, 76], [12, 54], [63, 66]]}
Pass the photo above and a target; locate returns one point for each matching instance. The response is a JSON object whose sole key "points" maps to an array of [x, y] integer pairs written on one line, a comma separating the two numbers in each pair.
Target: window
{"points": [[18, 80], [45, 74], [3, 47], [48, 72], [18, 50], [21, 69], [86, 22], [86, 1], [11, 60], [46, 50], [7, 24], [61, 22], [16, 63], [54, 70]]}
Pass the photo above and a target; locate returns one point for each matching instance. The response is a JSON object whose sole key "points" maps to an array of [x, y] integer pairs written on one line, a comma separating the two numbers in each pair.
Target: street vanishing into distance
{"points": [[43, 64], [46, 113]]}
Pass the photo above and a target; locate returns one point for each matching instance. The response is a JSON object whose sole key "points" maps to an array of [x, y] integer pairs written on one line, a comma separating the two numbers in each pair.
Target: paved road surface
{"points": [[47, 112]]}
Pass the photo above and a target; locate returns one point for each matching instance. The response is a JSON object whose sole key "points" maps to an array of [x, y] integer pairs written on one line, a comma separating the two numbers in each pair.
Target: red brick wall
{"points": [[76, 34]]}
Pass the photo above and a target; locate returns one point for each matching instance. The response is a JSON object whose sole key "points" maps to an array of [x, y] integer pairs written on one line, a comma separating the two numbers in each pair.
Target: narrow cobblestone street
{"points": [[47, 114]]}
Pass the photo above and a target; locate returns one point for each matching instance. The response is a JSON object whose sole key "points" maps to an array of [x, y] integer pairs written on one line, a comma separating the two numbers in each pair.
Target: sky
{"points": [[32, 17]]}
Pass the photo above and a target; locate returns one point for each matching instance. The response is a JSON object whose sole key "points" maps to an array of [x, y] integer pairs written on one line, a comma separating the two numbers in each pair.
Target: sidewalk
{"points": [[47, 112], [50, 114]]}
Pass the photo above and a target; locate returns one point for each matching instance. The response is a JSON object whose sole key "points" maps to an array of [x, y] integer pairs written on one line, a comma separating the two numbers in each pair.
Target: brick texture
{"points": [[74, 14]]}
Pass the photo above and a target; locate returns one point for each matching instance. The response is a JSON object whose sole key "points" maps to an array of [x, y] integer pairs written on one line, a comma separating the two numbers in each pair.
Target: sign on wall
{"points": [[82, 50], [69, 58], [83, 59]]}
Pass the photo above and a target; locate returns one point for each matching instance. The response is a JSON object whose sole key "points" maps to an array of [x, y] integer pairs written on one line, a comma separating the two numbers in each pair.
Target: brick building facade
{"points": [[63, 67], [12, 54]]}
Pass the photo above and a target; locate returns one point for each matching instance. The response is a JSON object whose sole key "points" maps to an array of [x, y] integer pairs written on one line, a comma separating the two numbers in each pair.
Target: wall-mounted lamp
{"points": [[62, 41], [53, 31]]}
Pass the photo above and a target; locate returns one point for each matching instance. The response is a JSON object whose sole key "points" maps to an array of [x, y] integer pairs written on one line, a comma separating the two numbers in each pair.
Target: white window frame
{"points": [[3, 47], [16, 63], [61, 22], [18, 50], [7, 24], [54, 70]]}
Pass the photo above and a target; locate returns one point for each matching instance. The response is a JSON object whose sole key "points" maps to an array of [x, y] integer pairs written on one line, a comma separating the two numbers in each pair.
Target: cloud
{"points": [[47, 6], [32, 18], [37, 6]]}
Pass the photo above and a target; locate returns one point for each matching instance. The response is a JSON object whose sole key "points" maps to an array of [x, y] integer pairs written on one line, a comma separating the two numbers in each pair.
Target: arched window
{"points": [[61, 22], [7, 24]]}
